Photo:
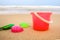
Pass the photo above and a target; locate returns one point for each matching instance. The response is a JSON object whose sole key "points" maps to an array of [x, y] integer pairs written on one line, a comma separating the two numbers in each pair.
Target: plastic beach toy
{"points": [[1, 29], [6, 27], [41, 20], [24, 25], [16, 29]]}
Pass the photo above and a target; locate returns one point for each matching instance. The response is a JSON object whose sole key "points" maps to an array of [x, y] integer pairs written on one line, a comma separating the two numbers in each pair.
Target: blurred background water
{"points": [[30, 2], [28, 9], [17, 3]]}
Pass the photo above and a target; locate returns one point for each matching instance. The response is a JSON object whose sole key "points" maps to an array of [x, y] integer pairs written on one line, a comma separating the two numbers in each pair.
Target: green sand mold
{"points": [[1, 29], [24, 25], [6, 27]]}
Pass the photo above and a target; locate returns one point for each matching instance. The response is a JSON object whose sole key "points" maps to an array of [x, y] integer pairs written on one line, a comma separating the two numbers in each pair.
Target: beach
{"points": [[29, 34]]}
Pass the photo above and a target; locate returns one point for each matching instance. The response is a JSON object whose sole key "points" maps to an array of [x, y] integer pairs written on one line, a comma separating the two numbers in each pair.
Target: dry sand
{"points": [[29, 34]]}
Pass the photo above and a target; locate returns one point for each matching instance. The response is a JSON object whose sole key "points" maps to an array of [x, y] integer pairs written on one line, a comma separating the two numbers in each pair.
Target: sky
{"points": [[30, 2]]}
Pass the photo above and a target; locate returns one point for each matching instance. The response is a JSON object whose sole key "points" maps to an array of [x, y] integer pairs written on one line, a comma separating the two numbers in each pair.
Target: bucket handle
{"points": [[43, 18]]}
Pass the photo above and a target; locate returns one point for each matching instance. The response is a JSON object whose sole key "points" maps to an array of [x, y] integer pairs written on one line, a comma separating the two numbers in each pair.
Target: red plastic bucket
{"points": [[38, 23]]}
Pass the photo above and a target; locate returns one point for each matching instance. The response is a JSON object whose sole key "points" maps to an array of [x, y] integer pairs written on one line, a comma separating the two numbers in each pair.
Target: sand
{"points": [[29, 34]]}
